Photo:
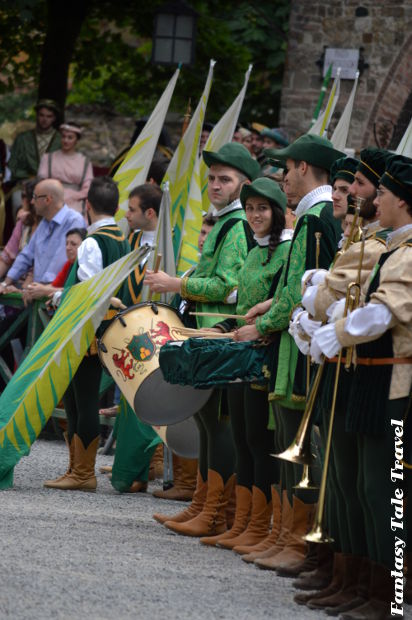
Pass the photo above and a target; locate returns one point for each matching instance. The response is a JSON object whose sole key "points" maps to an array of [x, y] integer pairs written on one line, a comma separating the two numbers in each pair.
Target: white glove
{"points": [[336, 310], [313, 277], [308, 299], [309, 326], [302, 345], [325, 341], [56, 298]]}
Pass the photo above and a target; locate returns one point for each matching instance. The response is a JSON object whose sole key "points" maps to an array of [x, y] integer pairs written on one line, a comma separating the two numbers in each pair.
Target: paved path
{"points": [[73, 555]]}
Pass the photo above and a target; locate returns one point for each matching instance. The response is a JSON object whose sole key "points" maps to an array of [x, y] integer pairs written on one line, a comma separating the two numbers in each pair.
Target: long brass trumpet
{"points": [[318, 533]]}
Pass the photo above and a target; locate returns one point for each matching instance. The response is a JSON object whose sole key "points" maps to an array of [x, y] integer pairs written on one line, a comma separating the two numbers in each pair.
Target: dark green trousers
{"points": [[216, 444], [81, 401], [254, 443]]}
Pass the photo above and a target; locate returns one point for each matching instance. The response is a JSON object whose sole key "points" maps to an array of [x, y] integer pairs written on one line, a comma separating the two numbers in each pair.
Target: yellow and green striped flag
{"points": [[198, 201], [180, 169], [44, 375], [136, 164], [322, 123]]}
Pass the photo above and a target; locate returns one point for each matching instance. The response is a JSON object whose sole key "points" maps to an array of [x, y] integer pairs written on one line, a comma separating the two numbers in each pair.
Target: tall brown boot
{"points": [[308, 563], [285, 527], [259, 525], [304, 598], [242, 513], [381, 593], [231, 508], [270, 540], [348, 591], [199, 498], [212, 519], [295, 547], [70, 446], [321, 577], [82, 476], [184, 480], [156, 463]]}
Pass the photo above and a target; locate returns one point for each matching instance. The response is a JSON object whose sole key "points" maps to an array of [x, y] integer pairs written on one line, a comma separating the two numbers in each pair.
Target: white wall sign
{"points": [[347, 59]]}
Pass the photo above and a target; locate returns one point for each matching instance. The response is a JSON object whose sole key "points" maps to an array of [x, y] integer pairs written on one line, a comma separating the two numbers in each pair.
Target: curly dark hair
{"points": [[278, 224]]}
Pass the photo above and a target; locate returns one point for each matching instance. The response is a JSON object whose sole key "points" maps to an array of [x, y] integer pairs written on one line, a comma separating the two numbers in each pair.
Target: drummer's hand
{"points": [[161, 282], [257, 310], [246, 332]]}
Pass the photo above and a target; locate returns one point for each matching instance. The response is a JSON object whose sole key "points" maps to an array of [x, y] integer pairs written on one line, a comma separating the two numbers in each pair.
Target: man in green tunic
{"points": [[213, 287]]}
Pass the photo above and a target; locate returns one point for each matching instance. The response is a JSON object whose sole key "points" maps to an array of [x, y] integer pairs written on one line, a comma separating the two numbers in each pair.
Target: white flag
{"points": [[405, 145], [340, 135], [322, 123]]}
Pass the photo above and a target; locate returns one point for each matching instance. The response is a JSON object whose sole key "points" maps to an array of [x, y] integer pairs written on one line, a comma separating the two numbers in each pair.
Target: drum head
{"points": [[183, 439], [159, 403]]}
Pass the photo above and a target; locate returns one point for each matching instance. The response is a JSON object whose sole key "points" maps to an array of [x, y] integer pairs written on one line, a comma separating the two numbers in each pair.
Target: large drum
{"points": [[129, 350], [182, 438]]}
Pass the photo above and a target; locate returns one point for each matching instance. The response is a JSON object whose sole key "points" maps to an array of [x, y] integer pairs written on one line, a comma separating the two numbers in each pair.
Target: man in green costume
{"points": [[104, 244], [213, 287], [306, 163]]}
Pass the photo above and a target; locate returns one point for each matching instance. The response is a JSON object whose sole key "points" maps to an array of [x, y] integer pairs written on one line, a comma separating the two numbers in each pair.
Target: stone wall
{"points": [[385, 35]]}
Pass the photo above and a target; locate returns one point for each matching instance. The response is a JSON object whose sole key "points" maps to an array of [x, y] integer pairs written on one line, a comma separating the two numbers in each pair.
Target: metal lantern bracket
{"points": [[174, 35]]}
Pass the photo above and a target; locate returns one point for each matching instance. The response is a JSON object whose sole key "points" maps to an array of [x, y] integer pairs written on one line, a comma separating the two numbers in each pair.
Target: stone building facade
{"points": [[382, 30]]}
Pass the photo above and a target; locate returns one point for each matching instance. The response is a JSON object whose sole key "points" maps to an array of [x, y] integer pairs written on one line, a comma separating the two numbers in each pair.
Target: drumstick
{"points": [[156, 269], [220, 314], [117, 303]]}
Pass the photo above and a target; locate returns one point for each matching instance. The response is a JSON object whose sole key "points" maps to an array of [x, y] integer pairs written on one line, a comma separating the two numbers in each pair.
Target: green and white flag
{"points": [[321, 125], [136, 164], [44, 375], [180, 169], [198, 202]]}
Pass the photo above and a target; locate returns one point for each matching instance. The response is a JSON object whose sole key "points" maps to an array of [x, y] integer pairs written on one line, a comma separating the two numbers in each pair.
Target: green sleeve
{"points": [[223, 277], [289, 296]]}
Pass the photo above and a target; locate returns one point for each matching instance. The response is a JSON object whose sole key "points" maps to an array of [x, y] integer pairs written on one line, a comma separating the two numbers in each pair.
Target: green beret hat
{"points": [[49, 104], [236, 156], [344, 168], [310, 148], [398, 177], [373, 163], [267, 188], [275, 134]]}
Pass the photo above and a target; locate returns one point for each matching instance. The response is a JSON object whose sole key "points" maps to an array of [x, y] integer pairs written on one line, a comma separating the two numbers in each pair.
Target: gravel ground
{"points": [[73, 555]]}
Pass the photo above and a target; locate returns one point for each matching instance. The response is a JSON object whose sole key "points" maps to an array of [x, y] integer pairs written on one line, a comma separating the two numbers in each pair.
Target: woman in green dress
{"points": [[256, 471]]}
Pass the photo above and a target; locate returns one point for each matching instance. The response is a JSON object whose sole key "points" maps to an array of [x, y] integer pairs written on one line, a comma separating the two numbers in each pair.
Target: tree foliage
{"points": [[110, 59]]}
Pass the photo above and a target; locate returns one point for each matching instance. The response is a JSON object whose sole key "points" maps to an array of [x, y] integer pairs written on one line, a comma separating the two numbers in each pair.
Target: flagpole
{"points": [[322, 94]]}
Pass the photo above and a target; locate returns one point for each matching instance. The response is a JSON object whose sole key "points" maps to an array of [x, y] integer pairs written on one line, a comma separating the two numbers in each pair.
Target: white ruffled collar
{"points": [[235, 205], [319, 194]]}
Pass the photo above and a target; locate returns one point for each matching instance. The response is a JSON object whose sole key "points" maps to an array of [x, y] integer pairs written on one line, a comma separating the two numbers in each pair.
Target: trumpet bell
{"points": [[306, 483], [319, 536], [295, 454]]}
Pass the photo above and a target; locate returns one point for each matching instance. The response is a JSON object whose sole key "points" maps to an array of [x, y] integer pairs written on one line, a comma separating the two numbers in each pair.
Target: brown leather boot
{"points": [[309, 562], [137, 486], [199, 498], [259, 525], [70, 446], [348, 591], [321, 577], [346, 598], [286, 525], [295, 547], [303, 598], [184, 480], [270, 540], [242, 514], [212, 519], [231, 508], [381, 593], [156, 463], [82, 477]]}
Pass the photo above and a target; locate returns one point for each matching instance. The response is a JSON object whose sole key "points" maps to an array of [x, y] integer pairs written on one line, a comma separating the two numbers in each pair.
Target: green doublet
{"points": [[217, 274], [24, 157], [134, 283], [289, 366], [257, 280]]}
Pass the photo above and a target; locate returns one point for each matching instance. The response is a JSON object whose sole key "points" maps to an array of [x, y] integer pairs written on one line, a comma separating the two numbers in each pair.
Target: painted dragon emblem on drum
{"points": [[161, 334], [120, 362]]}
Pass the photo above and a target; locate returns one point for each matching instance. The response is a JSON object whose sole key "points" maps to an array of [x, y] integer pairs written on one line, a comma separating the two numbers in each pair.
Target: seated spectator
{"points": [[45, 252], [37, 290], [71, 168], [27, 222]]}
